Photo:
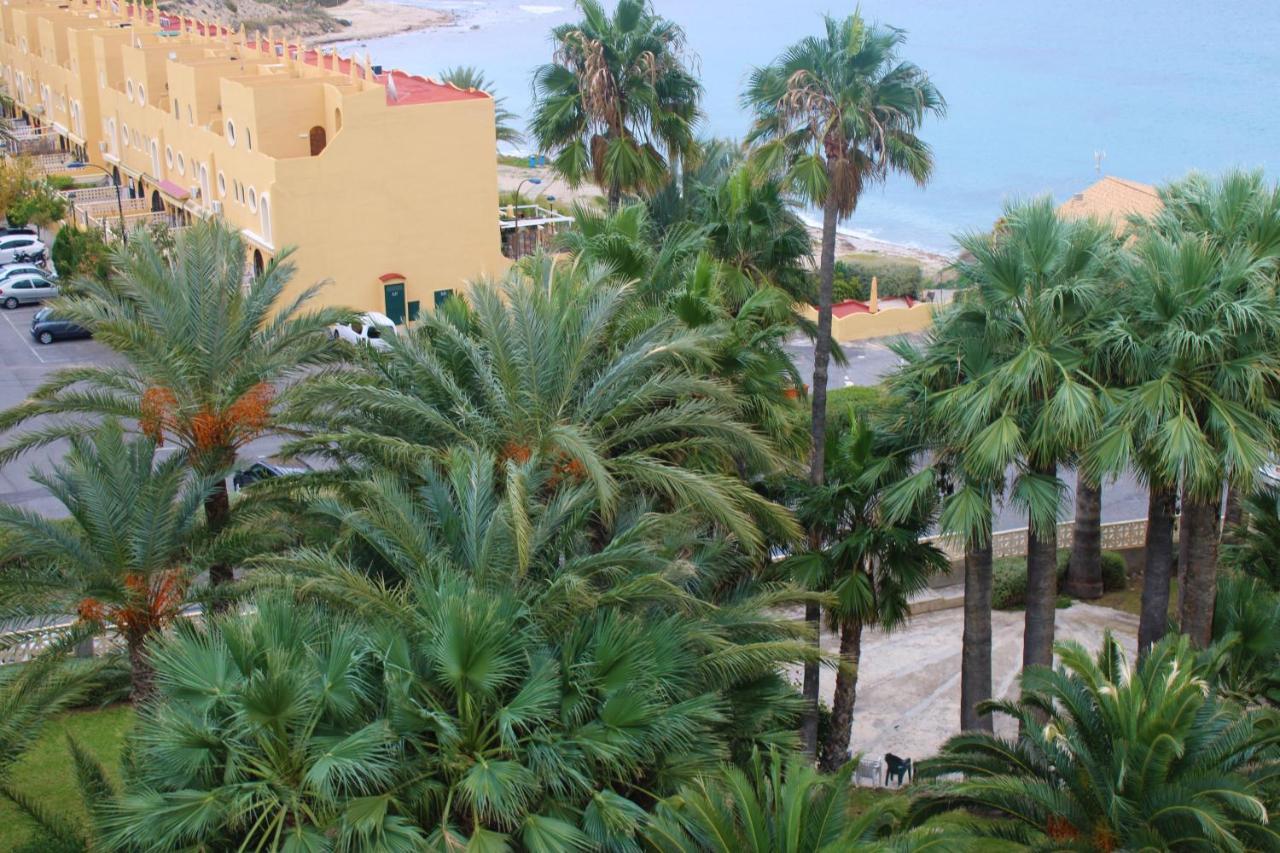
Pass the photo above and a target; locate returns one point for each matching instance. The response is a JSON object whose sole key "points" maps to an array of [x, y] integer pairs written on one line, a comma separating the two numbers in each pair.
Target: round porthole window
{"points": [[182, 165], [168, 156], [231, 133]]}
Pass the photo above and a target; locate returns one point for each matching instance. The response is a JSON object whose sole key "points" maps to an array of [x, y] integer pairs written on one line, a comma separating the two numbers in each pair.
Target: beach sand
{"points": [[510, 177], [371, 19]]}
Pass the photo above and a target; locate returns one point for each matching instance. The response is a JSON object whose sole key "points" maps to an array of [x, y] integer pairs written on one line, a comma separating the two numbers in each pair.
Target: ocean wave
{"points": [[541, 10]]}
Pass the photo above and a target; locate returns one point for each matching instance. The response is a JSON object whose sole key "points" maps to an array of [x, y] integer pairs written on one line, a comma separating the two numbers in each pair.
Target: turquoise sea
{"points": [[1036, 89]]}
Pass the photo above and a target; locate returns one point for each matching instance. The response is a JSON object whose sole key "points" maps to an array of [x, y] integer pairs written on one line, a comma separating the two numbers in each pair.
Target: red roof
{"points": [[853, 306], [408, 88], [172, 190]]}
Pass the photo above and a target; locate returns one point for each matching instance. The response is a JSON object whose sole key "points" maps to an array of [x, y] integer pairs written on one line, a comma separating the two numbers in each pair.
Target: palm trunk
{"points": [[975, 650], [1084, 571], [217, 511], [809, 725], [1184, 547], [142, 676], [1200, 527], [615, 197], [1157, 568], [835, 750], [1232, 514], [817, 452], [1042, 591]]}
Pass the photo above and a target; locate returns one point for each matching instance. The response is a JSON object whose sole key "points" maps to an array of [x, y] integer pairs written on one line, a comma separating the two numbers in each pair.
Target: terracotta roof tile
{"points": [[1114, 199]]}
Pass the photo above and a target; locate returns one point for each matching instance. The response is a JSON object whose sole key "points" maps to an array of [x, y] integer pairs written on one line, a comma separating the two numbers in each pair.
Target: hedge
{"points": [[896, 277], [1009, 577]]}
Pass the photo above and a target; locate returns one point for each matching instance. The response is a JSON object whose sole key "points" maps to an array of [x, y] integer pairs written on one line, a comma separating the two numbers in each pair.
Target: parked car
{"points": [[5, 232], [371, 328], [26, 289], [1269, 474], [20, 248], [11, 270], [262, 470], [46, 328]]}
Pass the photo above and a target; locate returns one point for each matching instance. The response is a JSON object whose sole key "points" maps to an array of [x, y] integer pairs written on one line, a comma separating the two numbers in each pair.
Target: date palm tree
{"points": [[470, 77], [872, 565], [544, 370], [1129, 759], [782, 804], [125, 560], [1035, 288], [206, 355], [618, 103], [834, 114]]}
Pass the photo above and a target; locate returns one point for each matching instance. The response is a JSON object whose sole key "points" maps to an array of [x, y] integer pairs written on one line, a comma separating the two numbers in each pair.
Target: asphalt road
{"points": [[24, 366], [1123, 499]]}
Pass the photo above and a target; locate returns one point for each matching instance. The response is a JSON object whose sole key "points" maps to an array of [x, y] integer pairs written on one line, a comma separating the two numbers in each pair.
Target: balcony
{"points": [[526, 228]]}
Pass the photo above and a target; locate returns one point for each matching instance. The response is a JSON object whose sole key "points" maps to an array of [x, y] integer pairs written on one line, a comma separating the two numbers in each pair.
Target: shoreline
{"points": [[374, 19]]}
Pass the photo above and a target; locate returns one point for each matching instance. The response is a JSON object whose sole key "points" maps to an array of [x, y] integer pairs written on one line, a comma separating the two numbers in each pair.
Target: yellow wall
{"points": [[883, 324], [400, 188]]}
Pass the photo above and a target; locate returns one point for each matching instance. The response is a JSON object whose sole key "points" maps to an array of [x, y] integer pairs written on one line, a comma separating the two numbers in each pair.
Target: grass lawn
{"points": [[46, 773], [1129, 599]]}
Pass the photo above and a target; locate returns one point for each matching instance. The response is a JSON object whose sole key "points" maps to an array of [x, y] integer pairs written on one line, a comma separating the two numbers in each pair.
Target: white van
{"points": [[371, 328]]}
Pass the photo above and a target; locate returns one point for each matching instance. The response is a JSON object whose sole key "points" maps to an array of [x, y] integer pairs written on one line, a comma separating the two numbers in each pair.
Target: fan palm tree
{"points": [[1035, 286], [206, 357], [470, 77], [124, 561], [1204, 323], [873, 566], [950, 355], [779, 805], [834, 114], [542, 371], [618, 103], [1253, 548], [464, 669], [1129, 759]]}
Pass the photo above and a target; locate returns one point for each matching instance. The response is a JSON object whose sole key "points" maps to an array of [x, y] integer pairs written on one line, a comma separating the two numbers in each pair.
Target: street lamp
{"points": [[519, 186], [115, 182]]}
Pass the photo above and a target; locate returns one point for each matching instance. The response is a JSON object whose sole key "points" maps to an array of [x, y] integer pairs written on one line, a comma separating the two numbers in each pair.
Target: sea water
{"points": [[1043, 95]]}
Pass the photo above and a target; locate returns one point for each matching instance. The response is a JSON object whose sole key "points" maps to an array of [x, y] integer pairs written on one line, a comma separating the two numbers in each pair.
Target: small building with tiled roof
{"points": [[1114, 199]]}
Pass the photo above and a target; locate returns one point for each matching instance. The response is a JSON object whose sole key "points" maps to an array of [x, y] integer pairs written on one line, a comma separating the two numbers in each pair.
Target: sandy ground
{"points": [[909, 687], [371, 19], [510, 177]]}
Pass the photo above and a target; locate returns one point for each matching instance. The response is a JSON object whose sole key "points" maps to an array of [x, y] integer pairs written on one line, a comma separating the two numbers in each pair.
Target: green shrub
{"points": [[1115, 571], [1009, 583], [76, 252], [860, 400], [851, 278], [61, 182]]}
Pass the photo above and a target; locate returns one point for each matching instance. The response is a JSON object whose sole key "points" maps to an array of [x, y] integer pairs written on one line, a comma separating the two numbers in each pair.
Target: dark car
{"points": [[262, 471], [46, 328]]}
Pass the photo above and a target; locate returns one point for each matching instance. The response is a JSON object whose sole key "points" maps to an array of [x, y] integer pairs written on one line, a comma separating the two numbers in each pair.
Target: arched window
{"points": [[248, 138], [231, 133], [168, 156], [258, 264], [318, 140], [222, 185], [264, 214], [253, 200]]}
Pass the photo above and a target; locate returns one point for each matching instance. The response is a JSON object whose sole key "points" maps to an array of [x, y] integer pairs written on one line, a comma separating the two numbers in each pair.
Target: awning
{"points": [[172, 190]]}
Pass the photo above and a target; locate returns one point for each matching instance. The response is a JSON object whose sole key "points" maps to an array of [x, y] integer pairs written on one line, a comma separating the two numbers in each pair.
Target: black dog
{"points": [[895, 767]]}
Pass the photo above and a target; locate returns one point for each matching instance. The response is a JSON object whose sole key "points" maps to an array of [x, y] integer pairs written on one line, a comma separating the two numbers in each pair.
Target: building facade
{"points": [[384, 183]]}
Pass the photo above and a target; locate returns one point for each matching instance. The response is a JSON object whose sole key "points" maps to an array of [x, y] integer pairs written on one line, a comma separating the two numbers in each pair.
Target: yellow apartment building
{"points": [[384, 182]]}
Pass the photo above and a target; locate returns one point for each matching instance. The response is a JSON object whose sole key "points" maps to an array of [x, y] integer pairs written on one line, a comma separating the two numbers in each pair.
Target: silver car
{"points": [[26, 289]]}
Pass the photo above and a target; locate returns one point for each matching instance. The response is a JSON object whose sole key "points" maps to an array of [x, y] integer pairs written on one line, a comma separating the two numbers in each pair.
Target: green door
{"points": [[393, 296]]}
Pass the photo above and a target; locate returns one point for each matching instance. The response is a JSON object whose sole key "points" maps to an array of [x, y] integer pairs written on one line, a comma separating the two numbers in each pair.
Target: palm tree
{"points": [[872, 566], [470, 77], [1128, 759], [544, 371], [834, 114], [1253, 547], [1035, 287], [124, 561], [618, 103], [1204, 323], [206, 357], [459, 667], [782, 804]]}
